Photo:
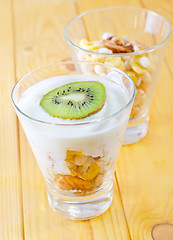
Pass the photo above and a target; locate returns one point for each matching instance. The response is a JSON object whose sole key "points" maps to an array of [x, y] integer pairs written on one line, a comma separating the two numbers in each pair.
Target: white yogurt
{"points": [[97, 135]]}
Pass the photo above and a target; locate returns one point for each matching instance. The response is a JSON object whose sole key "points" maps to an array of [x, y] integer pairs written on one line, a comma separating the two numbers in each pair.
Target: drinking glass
{"points": [[77, 158], [149, 32]]}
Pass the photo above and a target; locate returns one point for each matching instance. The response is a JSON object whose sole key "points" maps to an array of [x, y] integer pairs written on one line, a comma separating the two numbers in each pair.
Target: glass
{"points": [[77, 157], [149, 32]]}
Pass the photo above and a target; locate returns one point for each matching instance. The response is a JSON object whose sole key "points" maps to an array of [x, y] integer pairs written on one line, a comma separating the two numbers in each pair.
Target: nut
{"points": [[117, 47]]}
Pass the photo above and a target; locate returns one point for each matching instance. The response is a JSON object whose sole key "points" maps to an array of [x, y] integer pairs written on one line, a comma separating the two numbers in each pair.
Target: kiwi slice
{"points": [[75, 100]]}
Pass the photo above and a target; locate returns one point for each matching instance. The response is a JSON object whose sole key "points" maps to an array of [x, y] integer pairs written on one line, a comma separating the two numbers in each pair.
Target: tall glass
{"points": [[77, 157], [149, 33]]}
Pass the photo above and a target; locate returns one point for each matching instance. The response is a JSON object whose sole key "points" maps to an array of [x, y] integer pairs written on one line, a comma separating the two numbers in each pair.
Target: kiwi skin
{"points": [[57, 102]]}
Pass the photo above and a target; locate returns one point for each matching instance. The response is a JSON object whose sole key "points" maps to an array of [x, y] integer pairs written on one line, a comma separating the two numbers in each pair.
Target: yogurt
{"points": [[98, 135]]}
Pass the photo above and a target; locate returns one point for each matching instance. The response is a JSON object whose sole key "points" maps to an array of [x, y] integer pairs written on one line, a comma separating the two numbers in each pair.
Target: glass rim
{"points": [[149, 49], [73, 124]]}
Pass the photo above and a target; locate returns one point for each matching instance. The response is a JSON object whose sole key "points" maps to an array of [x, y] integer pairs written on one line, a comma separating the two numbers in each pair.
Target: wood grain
{"points": [[39, 35], [144, 170], [90, 4], [11, 220], [38, 42], [32, 36], [40, 222]]}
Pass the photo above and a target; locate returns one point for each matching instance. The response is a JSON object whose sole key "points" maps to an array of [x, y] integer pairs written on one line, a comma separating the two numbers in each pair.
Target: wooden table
{"points": [[31, 35]]}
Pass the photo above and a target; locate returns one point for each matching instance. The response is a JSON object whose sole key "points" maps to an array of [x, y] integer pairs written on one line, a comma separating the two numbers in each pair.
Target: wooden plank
{"points": [[39, 41], [11, 225], [39, 32], [90, 4], [145, 169]]}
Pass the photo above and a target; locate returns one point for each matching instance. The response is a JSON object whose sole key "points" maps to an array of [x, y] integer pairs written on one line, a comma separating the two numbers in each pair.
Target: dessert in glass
{"points": [[75, 122], [131, 39]]}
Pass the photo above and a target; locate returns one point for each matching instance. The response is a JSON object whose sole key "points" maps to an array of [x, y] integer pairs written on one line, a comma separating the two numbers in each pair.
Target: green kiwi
{"points": [[75, 100]]}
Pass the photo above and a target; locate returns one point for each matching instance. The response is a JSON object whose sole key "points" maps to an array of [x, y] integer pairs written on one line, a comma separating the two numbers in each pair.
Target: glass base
{"points": [[81, 208], [136, 130]]}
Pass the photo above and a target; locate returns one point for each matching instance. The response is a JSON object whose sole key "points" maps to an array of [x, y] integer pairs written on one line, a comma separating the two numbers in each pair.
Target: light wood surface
{"points": [[142, 208]]}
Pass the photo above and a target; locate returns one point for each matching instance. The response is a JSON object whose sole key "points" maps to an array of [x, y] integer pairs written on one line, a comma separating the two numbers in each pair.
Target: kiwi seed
{"points": [[75, 100]]}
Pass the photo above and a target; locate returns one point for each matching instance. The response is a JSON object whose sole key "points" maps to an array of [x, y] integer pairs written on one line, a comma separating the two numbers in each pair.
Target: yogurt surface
{"points": [[30, 101]]}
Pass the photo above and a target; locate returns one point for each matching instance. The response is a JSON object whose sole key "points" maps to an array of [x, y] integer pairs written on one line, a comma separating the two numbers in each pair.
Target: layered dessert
{"points": [[122, 53], [74, 131]]}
